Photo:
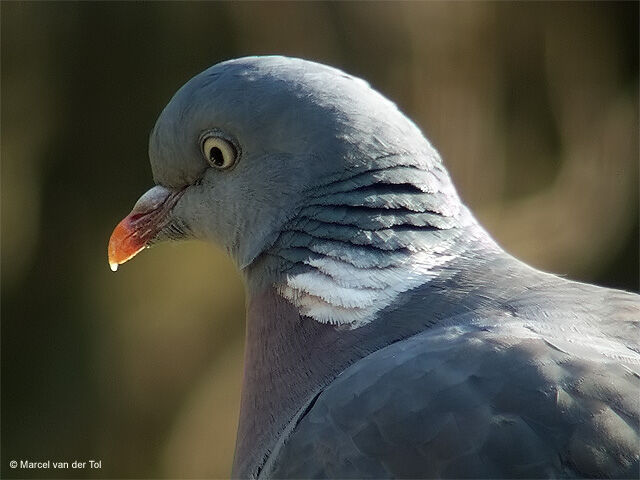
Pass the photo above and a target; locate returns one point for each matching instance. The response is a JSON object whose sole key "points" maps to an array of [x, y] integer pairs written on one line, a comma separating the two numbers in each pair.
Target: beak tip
{"points": [[124, 244]]}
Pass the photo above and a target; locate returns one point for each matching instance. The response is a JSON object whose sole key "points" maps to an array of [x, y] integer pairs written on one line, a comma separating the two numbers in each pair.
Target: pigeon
{"points": [[388, 335]]}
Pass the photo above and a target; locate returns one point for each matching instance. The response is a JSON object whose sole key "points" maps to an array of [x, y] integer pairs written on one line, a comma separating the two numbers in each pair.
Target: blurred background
{"points": [[533, 106]]}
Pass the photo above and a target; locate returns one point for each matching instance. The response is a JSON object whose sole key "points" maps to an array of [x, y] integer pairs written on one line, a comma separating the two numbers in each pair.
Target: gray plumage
{"points": [[497, 389], [388, 336]]}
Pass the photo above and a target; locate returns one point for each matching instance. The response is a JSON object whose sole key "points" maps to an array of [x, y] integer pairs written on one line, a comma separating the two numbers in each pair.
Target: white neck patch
{"points": [[337, 292]]}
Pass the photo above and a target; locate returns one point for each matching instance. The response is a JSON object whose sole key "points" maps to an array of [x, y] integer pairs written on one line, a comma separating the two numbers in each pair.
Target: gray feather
{"points": [[482, 398], [388, 336]]}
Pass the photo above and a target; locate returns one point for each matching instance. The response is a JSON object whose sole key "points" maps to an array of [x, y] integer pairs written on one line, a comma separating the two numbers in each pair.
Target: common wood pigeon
{"points": [[388, 335]]}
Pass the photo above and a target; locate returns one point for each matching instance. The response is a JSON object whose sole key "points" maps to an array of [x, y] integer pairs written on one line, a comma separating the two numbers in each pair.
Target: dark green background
{"points": [[534, 107]]}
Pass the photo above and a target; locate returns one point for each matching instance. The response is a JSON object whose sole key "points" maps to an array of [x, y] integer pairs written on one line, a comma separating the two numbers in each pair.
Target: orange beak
{"points": [[138, 229]]}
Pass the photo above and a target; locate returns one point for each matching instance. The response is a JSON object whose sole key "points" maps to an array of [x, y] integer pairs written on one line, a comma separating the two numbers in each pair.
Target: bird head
{"points": [[251, 145]]}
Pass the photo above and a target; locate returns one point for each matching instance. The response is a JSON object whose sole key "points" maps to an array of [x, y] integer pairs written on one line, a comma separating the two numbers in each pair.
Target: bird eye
{"points": [[219, 152]]}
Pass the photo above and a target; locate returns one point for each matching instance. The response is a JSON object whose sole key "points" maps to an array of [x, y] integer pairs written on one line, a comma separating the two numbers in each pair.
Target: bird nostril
{"points": [[151, 200]]}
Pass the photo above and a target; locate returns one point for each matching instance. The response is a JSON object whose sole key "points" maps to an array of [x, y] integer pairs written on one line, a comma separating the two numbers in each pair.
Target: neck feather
{"points": [[361, 241]]}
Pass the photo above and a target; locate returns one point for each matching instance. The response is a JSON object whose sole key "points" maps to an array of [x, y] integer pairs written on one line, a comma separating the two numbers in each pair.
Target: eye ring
{"points": [[218, 150]]}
